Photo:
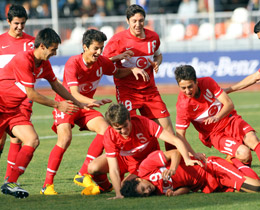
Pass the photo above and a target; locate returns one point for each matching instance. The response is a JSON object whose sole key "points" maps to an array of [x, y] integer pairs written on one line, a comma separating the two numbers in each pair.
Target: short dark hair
{"points": [[47, 37], [257, 27], [117, 114], [93, 35], [128, 188], [185, 72], [134, 9], [16, 10]]}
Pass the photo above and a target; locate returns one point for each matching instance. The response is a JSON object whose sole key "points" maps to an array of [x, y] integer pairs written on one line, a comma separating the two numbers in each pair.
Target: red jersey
{"points": [[142, 48], [220, 175], [9, 46], [196, 110], [76, 73], [19, 73], [141, 141]]}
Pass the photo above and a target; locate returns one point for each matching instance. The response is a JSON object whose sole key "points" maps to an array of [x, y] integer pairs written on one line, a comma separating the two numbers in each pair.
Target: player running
{"points": [[82, 74], [17, 82], [165, 173], [12, 42]]}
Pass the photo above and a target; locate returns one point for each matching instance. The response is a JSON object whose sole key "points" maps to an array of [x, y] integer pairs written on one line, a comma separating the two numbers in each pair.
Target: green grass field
{"points": [[247, 105]]}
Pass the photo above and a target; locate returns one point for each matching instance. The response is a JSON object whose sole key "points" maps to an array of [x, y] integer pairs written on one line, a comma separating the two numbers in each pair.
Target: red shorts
{"points": [[9, 120], [149, 104], [26, 108], [79, 118], [228, 140], [126, 166], [227, 175]]}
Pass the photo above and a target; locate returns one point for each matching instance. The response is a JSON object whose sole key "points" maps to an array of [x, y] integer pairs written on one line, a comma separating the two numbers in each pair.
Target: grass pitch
{"points": [[247, 104]]}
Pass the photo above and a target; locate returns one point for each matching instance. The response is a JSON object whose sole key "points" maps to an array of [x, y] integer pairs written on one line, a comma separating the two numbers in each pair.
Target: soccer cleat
{"points": [[84, 181], [15, 190], [92, 190], [48, 190]]}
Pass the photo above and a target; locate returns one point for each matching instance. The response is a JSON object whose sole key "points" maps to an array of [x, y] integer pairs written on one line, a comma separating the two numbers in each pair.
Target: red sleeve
{"points": [[182, 117], [111, 48], [110, 143], [154, 129], [213, 87], [48, 73], [70, 72], [153, 161], [109, 67]]}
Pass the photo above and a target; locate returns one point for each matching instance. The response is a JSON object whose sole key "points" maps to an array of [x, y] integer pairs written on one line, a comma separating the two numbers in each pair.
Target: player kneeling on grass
{"points": [[127, 142], [165, 173]]}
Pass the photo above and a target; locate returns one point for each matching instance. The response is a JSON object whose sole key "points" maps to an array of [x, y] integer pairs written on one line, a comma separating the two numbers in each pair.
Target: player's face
{"points": [[16, 26], [92, 52], [188, 87], [50, 51], [145, 188], [136, 25], [124, 129]]}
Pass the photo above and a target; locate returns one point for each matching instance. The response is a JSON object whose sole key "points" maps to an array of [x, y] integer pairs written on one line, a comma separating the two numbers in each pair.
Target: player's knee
{"points": [[251, 140], [243, 153], [64, 141], [93, 168]]}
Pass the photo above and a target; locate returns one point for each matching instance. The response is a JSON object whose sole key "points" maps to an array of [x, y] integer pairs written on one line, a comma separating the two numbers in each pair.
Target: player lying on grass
{"points": [[165, 173], [127, 142]]}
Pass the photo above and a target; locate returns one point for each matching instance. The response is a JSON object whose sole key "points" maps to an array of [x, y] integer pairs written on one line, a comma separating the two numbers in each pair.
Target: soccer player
{"points": [[82, 74], [17, 81], [251, 79], [165, 173], [145, 54], [204, 104], [127, 142], [12, 42]]}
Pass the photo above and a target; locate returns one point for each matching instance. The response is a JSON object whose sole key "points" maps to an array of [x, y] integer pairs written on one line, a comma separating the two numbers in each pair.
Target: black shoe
{"points": [[13, 189]]}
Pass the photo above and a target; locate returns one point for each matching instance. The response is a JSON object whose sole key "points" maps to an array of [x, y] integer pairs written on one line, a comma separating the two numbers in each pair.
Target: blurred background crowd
{"points": [[91, 8]]}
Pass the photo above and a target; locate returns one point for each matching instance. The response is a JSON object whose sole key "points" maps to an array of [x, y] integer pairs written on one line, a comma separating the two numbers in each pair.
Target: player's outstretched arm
{"points": [[179, 191], [65, 106], [246, 82], [175, 157], [115, 176], [123, 56]]}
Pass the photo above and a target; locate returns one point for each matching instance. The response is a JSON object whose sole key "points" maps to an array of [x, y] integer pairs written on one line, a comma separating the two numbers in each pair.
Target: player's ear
{"points": [[42, 46]]}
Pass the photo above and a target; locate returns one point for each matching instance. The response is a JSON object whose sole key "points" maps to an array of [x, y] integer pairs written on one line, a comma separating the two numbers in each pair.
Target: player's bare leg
{"points": [[166, 123], [2, 143], [250, 185]]}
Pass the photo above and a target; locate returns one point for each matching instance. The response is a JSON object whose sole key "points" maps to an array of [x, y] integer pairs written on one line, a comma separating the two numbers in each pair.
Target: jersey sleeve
{"points": [[182, 118], [153, 161], [48, 73], [111, 48], [70, 72], [154, 129], [110, 144], [213, 86], [109, 67], [23, 73]]}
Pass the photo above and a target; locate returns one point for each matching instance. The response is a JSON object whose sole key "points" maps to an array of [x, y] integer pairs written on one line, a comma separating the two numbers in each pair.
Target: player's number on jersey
{"points": [[155, 177], [141, 137], [151, 46]]}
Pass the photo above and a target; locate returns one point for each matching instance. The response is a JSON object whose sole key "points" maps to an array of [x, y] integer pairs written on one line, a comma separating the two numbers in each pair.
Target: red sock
{"points": [[102, 181], [257, 150], [246, 170], [95, 149], [53, 164], [12, 154], [23, 159]]}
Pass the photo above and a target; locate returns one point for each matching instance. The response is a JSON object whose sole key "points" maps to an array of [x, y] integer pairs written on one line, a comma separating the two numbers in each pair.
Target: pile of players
{"points": [[130, 141]]}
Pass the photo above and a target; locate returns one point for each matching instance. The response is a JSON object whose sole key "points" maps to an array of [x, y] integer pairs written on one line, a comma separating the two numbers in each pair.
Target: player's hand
{"points": [[193, 162], [201, 156], [67, 107], [210, 120], [169, 193], [88, 106], [102, 102], [116, 197], [142, 72], [154, 65], [124, 56], [166, 174]]}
